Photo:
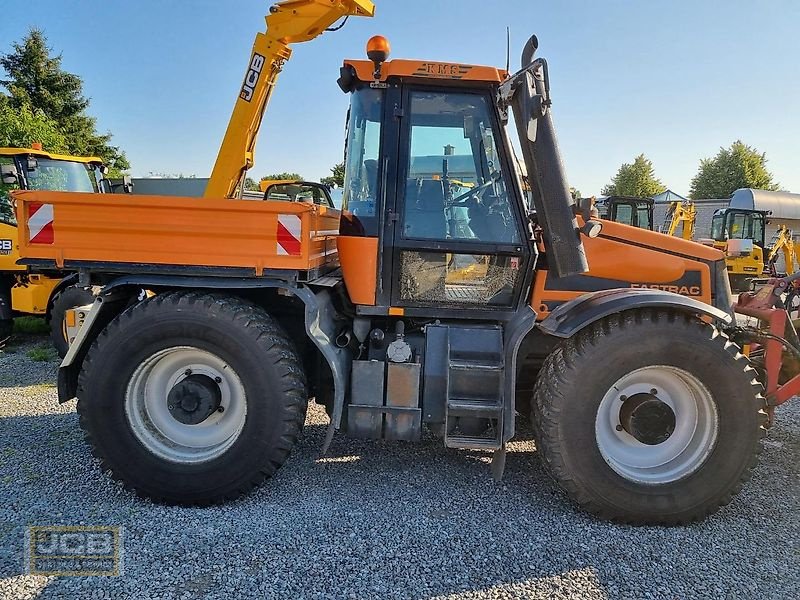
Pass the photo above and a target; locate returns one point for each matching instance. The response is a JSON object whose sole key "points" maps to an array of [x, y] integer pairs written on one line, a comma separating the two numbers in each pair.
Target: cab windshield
{"points": [[61, 175], [738, 225]]}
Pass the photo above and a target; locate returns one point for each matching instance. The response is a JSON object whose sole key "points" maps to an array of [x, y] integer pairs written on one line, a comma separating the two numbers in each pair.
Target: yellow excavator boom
{"points": [[784, 242], [685, 214], [289, 22]]}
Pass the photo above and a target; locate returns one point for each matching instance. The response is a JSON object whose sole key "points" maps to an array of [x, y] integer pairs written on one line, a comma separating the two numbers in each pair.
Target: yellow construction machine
{"points": [[739, 233], [783, 243], [680, 215], [49, 293]]}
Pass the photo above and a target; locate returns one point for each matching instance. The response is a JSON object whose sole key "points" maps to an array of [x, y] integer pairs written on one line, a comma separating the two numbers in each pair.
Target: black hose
{"points": [[339, 26], [771, 336]]}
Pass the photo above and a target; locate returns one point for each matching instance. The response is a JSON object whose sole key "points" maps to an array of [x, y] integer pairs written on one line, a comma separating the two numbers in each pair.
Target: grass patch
{"points": [[41, 353], [31, 325]]}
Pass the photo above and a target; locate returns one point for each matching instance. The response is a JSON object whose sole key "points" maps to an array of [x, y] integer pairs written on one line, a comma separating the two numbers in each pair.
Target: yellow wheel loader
{"points": [[51, 292]]}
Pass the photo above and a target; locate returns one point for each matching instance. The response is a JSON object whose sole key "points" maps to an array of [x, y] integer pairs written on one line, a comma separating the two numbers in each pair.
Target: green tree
{"points": [[739, 166], [19, 128], [635, 179], [292, 176], [35, 79], [251, 184], [337, 176]]}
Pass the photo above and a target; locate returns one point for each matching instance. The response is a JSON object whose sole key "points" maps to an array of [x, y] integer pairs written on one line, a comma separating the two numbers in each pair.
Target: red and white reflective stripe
{"points": [[289, 231], [40, 223]]}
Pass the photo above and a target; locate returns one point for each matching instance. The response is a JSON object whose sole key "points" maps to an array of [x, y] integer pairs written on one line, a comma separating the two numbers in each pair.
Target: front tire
{"points": [[192, 398], [649, 417]]}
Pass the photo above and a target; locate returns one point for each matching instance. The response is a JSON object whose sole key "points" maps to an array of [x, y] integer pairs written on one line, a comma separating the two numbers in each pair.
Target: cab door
{"points": [[458, 234]]}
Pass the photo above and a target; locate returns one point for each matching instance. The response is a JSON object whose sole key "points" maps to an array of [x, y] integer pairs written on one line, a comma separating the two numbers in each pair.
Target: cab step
{"points": [[464, 442]]}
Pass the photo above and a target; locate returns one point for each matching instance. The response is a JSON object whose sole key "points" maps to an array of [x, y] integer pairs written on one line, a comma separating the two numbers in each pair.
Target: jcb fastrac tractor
{"points": [[423, 304]]}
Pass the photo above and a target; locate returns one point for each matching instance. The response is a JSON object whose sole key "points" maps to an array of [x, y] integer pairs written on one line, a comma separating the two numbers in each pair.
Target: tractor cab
{"points": [[629, 210], [431, 196]]}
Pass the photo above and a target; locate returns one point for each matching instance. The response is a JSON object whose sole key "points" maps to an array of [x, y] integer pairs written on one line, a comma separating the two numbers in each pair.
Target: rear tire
{"points": [[703, 442], [68, 298], [138, 370]]}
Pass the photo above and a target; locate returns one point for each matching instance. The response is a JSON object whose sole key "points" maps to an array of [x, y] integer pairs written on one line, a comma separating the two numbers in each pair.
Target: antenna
{"points": [[508, 48]]}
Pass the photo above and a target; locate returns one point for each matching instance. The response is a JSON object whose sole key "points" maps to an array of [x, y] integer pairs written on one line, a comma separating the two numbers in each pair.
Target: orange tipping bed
{"points": [[167, 230]]}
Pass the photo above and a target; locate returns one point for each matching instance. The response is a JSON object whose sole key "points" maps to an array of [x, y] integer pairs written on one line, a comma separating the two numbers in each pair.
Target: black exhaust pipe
{"points": [[555, 207]]}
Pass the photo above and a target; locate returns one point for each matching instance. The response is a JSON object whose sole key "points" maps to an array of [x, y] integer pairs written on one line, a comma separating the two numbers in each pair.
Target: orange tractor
{"points": [[643, 408]]}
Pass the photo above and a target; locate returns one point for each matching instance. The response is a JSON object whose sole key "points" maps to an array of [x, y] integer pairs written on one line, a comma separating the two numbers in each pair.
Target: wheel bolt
{"points": [[221, 409], [623, 398], [187, 372], [170, 407], [654, 391], [218, 379], [619, 428]]}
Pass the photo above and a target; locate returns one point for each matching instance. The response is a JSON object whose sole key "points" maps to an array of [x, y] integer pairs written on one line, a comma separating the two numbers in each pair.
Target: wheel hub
{"points": [[195, 398], [647, 418], [656, 424]]}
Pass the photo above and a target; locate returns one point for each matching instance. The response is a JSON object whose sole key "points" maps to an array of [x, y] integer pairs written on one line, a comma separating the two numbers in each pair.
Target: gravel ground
{"points": [[378, 520]]}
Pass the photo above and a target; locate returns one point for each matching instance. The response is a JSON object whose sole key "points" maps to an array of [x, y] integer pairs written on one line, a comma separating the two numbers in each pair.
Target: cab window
{"points": [[455, 188], [643, 217], [362, 151], [298, 192], [623, 214], [6, 209]]}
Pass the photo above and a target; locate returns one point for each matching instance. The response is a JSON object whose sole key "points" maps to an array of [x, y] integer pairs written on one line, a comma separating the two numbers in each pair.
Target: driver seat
{"points": [[424, 213]]}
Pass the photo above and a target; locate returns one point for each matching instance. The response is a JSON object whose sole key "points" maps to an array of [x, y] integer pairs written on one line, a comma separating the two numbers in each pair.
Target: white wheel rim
{"points": [[147, 408], [688, 446]]}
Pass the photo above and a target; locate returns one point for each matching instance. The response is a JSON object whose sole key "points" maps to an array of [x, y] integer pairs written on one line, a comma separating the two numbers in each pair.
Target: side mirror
{"points": [[127, 184], [9, 174]]}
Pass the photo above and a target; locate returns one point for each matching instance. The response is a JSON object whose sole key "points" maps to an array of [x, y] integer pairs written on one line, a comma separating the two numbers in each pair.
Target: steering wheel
{"points": [[476, 192]]}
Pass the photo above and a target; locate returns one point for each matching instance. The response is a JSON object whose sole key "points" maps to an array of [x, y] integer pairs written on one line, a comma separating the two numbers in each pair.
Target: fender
{"points": [[569, 318], [319, 324]]}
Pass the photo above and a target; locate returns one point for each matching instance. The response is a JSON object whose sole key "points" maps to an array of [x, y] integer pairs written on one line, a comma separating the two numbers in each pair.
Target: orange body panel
{"points": [[625, 256], [168, 230], [427, 69], [359, 259]]}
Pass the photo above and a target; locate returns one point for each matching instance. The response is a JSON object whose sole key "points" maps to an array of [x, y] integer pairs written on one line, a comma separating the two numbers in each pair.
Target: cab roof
{"points": [[42, 153], [425, 69]]}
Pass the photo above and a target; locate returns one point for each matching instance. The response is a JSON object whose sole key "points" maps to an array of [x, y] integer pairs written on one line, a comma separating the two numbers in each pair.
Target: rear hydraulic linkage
{"points": [[765, 343]]}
